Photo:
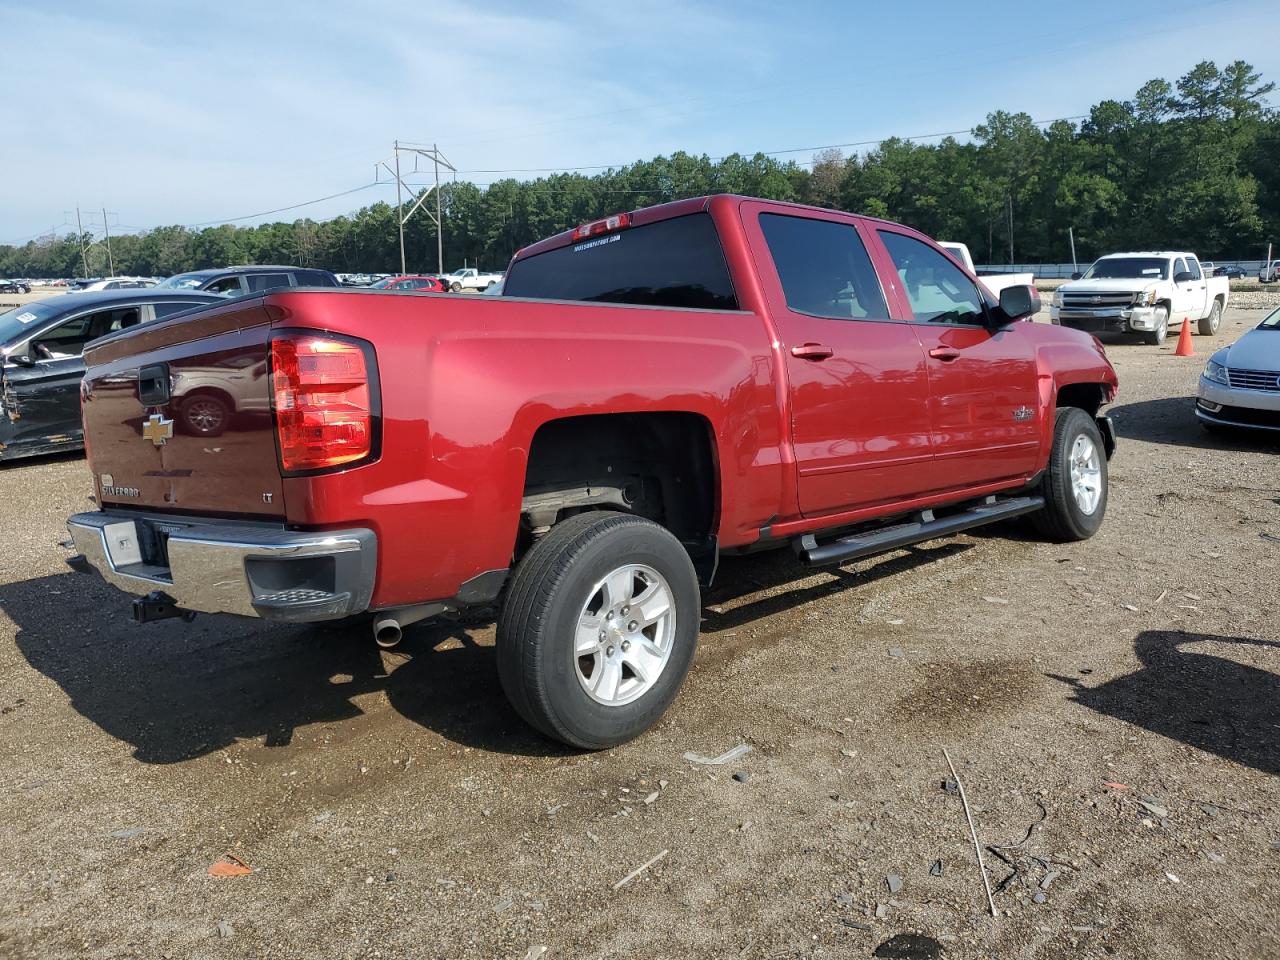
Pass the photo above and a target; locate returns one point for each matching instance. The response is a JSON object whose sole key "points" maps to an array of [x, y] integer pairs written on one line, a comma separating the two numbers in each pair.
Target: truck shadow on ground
{"points": [[1173, 420], [1209, 702], [177, 691]]}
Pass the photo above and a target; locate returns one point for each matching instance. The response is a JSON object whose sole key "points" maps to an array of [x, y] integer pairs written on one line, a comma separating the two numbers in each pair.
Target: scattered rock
{"points": [[741, 750], [854, 924], [896, 622], [503, 905], [950, 787], [127, 833], [882, 911], [935, 870], [845, 752], [894, 881], [844, 899], [1215, 857], [1049, 877], [225, 930], [1210, 810], [999, 600], [1172, 878], [742, 776], [651, 797], [1153, 807], [1130, 607], [895, 652], [389, 878], [1039, 897]]}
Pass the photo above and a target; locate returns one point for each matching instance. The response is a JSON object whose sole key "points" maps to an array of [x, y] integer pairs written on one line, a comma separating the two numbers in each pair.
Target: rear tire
{"points": [[1157, 336], [567, 614], [455, 287], [205, 415], [1209, 324], [1075, 484]]}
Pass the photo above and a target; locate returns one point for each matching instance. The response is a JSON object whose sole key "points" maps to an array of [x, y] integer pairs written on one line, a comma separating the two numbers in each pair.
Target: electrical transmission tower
{"points": [[392, 165]]}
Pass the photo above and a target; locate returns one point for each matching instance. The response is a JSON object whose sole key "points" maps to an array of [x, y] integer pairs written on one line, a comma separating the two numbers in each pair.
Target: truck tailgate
{"points": [[177, 415]]}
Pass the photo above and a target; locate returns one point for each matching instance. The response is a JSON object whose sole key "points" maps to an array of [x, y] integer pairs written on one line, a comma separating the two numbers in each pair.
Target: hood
{"points": [[1256, 350], [1109, 285]]}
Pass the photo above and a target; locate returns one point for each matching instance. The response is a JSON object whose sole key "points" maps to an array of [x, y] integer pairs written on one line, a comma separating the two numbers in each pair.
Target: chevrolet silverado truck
{"points": [[469, 278], [1142, 293], [652, 391], [994, 282]]}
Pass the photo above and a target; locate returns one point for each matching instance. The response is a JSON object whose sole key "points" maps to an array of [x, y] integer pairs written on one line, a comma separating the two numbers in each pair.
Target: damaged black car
{"points": [[41, 359]]}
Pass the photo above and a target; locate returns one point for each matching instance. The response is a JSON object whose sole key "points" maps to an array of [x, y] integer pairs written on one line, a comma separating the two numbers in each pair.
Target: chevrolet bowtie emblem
{"points": [[157, 429]]}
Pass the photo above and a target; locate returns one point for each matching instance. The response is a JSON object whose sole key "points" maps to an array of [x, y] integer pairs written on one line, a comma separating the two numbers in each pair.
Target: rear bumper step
{"points": [[924, 526]]}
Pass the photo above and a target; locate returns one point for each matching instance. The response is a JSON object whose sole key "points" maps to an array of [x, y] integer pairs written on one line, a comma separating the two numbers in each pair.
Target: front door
{"points": [[983, 387], [856, 378]]}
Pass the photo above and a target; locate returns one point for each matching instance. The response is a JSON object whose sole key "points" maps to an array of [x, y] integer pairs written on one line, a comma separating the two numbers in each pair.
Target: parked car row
{"points": [[464, 278]]}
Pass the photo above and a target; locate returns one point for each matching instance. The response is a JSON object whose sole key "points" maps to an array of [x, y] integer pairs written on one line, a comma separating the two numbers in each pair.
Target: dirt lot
{"points": [[392, 805]]}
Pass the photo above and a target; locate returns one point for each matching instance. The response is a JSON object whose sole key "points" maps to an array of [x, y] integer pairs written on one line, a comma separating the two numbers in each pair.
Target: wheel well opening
{"points": [[1087, 396], [660, 466]]}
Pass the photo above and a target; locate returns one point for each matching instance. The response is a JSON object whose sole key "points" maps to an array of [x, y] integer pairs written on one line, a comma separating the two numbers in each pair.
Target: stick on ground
{"points": [[973, 832], [639, 870]]}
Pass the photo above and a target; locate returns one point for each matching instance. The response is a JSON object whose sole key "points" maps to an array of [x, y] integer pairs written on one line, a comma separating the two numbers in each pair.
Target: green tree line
{"points": [[1189, 165]]}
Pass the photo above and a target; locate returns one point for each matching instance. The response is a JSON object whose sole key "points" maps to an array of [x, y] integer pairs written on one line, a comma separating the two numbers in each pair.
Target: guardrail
{"points": [[1063, 271]]}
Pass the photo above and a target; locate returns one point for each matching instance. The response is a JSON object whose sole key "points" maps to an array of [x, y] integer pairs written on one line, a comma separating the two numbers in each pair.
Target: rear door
{"points": [[177, 415], [43, 398], [1186, 302], [983, 388], [856, 378]]}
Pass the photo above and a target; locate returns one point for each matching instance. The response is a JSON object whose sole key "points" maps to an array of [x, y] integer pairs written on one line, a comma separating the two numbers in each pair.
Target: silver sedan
{"points": [[1240, 385]]}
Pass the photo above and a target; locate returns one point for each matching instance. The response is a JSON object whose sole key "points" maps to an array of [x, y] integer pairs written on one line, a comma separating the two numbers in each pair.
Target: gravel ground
{"points": [[1112, 709]]}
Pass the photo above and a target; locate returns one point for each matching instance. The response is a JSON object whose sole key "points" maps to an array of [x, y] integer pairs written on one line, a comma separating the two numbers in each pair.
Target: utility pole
{"points": [[84, 259], [106, 232], [392, 166], [1010, 227], [1071, 232]]}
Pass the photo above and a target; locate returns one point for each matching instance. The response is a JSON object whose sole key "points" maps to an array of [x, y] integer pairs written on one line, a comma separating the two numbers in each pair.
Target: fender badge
{"points": [[157, 429]]}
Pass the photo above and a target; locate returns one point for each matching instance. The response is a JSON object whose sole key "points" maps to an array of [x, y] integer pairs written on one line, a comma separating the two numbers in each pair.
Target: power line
{"points": [[294, 206]]}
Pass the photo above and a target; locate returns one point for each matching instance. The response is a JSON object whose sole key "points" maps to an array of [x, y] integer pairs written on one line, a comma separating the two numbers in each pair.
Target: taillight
{"points": [[324, 401], [609, 224]]}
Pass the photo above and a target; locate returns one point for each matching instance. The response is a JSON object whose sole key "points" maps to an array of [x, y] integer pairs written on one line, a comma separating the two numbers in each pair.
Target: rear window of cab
{"points": [[671, 263]]}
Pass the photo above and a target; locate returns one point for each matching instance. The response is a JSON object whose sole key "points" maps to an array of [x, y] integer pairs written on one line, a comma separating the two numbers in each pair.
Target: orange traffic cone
{"points": [[1184, 340]]}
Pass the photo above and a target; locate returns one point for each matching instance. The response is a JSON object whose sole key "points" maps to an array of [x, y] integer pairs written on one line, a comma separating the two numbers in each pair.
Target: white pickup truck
{"points": [[995, 282], [469, 278], [1143, 293]]}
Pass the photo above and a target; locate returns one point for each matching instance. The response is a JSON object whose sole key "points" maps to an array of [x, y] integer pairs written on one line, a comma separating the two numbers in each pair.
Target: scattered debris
{"points": [[651, 797], [1039, 897], [1112, 785], [741, 750], [1210, 810], [882, 911], [854, 924], [1172, 878], [935, 869], [1270, 536], [1163, 594], [895, 652], [896, 622], [1152, 806], [909, 946], [225, 930], [536, 953], [742, 776], [894, 882], [230, 866], [1275, 845], [950, 787], [1000, 600], [846, 752], [1049, 877], [1215, 857], [1130, 607], [503, 905], [592, 837], [641, 869], [553, 810], [127, 833], [844, 899], [973, 832]]}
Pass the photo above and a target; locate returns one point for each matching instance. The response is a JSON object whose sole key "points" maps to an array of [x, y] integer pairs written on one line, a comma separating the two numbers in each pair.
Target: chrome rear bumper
{"points": [[250, 569]]}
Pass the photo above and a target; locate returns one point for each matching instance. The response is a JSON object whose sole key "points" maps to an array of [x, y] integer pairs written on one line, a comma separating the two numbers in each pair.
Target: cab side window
{"points": [[937, 289], [63, 341], [267, 281], [1193, 268], [824, 268], [227, 287]]}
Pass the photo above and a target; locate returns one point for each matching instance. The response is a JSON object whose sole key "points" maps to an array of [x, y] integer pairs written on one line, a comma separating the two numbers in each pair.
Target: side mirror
{"points": [[1018, 303], [1186, 276], [1077, 275]]}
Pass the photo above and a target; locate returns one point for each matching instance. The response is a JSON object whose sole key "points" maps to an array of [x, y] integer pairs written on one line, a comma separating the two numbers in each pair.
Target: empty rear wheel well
{"points": [[656, 465]]}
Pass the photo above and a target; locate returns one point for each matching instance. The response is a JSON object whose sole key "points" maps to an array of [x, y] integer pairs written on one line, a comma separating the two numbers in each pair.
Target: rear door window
{"points": [[227, 287], [267, 281], [824, 268], [671, 263], [313, 278]]}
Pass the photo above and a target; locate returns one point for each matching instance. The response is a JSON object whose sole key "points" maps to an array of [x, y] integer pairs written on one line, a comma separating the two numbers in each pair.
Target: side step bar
{"points": [[925, 526]]}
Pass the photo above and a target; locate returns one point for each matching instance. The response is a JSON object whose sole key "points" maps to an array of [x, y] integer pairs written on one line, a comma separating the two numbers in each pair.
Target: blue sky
{"points": [[190, 113]]}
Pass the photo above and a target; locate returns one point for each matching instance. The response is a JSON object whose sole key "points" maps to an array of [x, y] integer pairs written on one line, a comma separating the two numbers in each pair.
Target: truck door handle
{"points": [[945, 354], [811, 351]]}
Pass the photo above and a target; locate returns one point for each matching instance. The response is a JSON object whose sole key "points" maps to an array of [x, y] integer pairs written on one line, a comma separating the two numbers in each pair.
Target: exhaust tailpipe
{"points": [[388, 625]]}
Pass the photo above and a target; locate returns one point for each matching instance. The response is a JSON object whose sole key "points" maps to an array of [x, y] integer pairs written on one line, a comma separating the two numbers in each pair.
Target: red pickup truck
{"points": [[652, 390]]}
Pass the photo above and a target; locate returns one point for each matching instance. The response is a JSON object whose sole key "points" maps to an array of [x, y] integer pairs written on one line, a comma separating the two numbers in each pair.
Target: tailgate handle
{"points": [[153, 384]]}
